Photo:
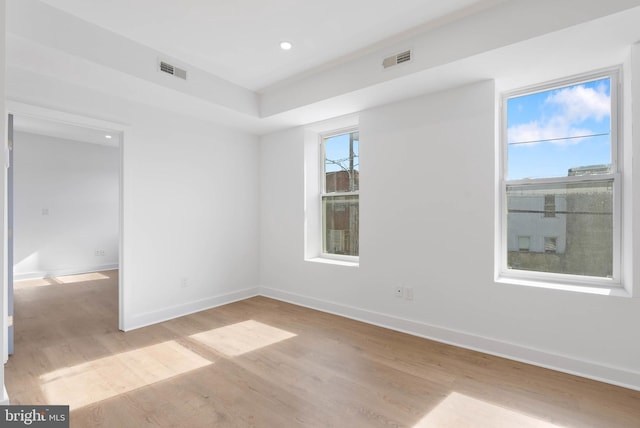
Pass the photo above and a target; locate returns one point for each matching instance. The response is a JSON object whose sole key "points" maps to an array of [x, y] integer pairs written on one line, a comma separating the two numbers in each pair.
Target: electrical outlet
{"points": [[184, 282], [408, 293], [99, 253], [398, 290]]}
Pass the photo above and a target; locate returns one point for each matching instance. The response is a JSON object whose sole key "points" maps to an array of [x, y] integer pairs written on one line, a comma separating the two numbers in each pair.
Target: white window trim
{"points": [[313, 187], [321, 139], [595, 285]]}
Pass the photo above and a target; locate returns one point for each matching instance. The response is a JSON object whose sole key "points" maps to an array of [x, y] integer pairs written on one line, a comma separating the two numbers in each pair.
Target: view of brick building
{"points": [[342, 213], [340, 181]]}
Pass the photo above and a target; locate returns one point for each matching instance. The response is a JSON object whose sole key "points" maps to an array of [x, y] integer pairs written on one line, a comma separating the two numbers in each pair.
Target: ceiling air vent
{"points": [[174, 71], [396, 59]]}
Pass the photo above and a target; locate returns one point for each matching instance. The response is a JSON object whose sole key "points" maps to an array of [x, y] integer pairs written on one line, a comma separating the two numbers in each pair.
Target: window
{"points": [[340, 194], [549, 205], [550, 244], [560, 182]]}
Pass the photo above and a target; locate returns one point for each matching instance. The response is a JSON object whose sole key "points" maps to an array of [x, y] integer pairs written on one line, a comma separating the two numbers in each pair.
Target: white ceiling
{"points": [[240, 78], [65, 131], [238, 40]]}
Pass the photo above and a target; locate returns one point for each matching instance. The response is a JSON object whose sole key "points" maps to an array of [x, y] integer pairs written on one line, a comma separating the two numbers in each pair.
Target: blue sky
{"points": [[337, 149], [552, 131]]}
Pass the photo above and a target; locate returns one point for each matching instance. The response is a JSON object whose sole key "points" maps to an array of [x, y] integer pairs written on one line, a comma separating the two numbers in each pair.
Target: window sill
{"points": [[575, 288], [336, 262]]}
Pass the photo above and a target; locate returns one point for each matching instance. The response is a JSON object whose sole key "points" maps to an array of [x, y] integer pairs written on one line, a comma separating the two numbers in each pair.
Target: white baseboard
{"points": [[570, 365], [154, 317], [63, 272]]}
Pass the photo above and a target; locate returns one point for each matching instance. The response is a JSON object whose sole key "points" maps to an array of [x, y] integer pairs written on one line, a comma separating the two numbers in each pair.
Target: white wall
{"points": [[191, 211], [427, 222], [66, 206], [190, 201]]}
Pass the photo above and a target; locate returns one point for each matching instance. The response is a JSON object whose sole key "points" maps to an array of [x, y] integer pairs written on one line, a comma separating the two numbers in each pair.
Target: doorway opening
{"points": [[64, 202]]}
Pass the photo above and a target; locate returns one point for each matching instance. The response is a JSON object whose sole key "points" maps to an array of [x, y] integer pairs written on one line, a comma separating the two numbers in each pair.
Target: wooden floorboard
{"points": [[265, 363]]}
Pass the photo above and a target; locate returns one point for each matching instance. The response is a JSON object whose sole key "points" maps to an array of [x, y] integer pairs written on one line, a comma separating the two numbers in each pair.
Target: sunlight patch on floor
{"points": [[58, 280], [459, 410], [243, 337], [97, 380], [71, 279]]}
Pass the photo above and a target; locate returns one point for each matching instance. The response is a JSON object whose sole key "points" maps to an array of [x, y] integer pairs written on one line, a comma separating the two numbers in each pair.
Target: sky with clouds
{"points": [[551, 131]]}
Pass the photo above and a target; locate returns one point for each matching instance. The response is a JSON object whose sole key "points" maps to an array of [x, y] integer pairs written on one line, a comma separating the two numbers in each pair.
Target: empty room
{"points": [[182, 240]]}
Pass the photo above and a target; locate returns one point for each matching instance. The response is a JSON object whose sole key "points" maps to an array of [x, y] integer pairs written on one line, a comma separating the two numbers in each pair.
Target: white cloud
{"points": [[573, 106], [556, 129], [579, 103]]}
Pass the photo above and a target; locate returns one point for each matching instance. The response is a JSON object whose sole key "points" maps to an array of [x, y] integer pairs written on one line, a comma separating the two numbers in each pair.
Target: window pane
{"points": [[341, 164], [551, 132], [550, 245], [341, 217], [577, 240], [523, 243], [549, 205]]}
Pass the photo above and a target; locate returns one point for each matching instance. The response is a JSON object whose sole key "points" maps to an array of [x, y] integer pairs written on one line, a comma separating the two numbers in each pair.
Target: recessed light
{"points": [[285, 46], [108, 137]]}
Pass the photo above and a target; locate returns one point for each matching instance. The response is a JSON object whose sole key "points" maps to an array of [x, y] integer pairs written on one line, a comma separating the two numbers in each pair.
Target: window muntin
{"points": [[560, 182], [340, 196]]}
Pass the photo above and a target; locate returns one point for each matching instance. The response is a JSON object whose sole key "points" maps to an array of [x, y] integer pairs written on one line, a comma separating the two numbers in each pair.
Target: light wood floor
{"points": [[264, 363]]}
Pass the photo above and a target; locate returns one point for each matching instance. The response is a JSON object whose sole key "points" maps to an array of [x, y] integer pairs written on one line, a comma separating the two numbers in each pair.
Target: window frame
{"points": [[549, 279], [322, 137]]}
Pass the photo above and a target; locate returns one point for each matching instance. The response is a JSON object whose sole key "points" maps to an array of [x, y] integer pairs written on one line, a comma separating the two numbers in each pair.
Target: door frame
{"points": [[9, 235], [22, 109]]}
